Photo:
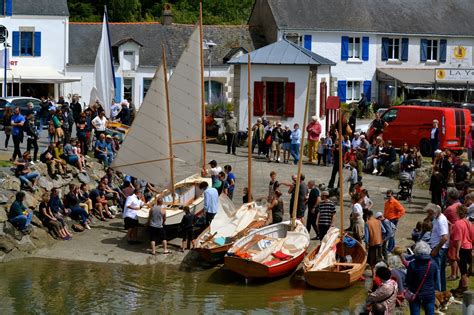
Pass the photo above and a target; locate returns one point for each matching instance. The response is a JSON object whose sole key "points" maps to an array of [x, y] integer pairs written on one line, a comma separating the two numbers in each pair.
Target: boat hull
{"points": [[251, 269], [332, 279], [174, 214], [213, 255]]}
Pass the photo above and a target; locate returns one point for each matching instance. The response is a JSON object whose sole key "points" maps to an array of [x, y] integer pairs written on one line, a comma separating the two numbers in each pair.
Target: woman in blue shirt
{"points": [[295, 143], [17, 123]]}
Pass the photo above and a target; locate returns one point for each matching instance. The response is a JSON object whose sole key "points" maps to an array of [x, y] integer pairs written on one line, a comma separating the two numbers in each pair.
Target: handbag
{"points": [[410, 296]]}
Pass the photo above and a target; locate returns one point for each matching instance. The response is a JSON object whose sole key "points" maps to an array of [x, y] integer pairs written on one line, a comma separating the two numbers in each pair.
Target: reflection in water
{"points": [[59, 287]]}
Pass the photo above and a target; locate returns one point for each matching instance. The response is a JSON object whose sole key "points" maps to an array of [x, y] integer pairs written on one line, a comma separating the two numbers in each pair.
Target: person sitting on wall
{"points": [[19, 215]]}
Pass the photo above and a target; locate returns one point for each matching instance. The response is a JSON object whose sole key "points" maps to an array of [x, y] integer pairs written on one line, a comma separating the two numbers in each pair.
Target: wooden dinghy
{"points": [[327, 266], [269, 252], [228, 225], [187, 193]]}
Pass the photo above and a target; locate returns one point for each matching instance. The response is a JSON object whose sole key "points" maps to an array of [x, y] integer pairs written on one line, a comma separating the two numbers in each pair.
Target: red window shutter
{"points": [[258, 98], [290, 99], [322, 99]]}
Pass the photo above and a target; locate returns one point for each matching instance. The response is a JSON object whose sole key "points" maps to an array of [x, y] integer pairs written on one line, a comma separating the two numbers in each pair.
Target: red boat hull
{"points": [[251, 269]]}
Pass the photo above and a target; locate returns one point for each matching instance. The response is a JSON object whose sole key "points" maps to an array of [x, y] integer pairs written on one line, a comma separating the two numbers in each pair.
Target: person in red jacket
{"points": [[314, 130]]}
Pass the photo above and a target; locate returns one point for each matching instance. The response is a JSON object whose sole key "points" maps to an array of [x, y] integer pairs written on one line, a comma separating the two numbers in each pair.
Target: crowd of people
{"points": [[444, 236]]}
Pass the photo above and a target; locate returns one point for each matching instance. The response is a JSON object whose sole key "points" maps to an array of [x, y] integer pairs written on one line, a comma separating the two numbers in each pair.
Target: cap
{"points": [[108, 136], [314, 118], [438, 151], [378, 215], [325, 193]]}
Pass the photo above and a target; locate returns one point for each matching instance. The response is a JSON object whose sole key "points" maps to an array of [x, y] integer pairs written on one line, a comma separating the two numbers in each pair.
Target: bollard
{"points": [[468, 303]]}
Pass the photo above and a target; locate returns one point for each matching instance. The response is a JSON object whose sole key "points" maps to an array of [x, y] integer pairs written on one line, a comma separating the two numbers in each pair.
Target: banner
{"points": [[2, 59], [459, 74], [460, 56]]}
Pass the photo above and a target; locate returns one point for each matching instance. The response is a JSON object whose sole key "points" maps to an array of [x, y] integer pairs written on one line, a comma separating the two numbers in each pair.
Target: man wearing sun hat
{"points": [[314, 130]]}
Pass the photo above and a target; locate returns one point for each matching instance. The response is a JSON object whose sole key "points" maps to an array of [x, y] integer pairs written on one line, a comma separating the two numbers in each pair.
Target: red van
{"points": [[413, 124]]}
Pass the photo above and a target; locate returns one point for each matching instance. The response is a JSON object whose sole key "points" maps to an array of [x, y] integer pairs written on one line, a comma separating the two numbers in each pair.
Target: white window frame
{"points": [[350, 86], [430, 44], [392, 49], [132, 86], [352, 52]]}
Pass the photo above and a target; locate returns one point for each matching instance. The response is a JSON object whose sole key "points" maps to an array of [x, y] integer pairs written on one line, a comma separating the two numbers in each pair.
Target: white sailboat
{"points": [[167, 135]]}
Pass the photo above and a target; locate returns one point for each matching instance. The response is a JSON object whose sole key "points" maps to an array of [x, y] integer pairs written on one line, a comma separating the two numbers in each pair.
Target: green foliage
{"points": [[184, 11], [397, 101]]}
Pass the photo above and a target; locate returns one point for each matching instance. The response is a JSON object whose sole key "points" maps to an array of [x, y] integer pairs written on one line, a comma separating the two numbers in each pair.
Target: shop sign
{"points": [[454, 74], [460, 56]]}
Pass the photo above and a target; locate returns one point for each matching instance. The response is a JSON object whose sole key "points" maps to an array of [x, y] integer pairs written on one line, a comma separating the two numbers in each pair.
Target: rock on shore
{"points": [[13, 243]]}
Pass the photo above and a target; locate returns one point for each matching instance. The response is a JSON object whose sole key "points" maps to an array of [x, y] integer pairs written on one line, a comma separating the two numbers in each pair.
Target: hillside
{"points": [[184, 11]]}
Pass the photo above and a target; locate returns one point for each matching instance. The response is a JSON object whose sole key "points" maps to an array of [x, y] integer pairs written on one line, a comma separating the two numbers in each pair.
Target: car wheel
{"points": [[425, 147]]}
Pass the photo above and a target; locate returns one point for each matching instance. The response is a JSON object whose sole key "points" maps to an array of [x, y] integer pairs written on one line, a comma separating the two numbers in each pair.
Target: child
{"points": [[187, 226], [352, 178], [230, 181], [328, 149], [321, 151]]}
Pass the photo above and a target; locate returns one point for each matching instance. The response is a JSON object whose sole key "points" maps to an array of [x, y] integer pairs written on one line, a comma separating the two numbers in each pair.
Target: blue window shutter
{"points": [[308, 41], [404, 49], [365, 48], [345, 48], [423, 50], [368, 90], [341, 90], [118, 89], [37, 43], [8, 8], [15, 44], [385, 48], [442, 50]]}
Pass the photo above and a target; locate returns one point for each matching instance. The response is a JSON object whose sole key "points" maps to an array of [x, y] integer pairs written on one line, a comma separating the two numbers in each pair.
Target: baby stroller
{"points": [[405, 185]]}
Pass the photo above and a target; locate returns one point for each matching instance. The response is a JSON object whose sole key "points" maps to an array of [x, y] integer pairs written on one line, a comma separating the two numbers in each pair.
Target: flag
{"points": [[2, 59], [104, 74]]}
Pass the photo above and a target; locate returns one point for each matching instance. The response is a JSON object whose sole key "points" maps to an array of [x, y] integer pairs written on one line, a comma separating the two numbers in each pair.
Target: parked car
{"points": [[413, 124], [18, 101], [423, 102]]}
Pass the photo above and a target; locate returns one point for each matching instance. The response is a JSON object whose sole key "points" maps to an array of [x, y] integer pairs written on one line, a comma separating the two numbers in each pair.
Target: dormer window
{"points": [[128, 60]]}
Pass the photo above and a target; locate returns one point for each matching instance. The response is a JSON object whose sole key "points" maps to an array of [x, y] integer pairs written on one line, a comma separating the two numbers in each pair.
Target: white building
{"points": [[38, 46], [385, 48], [279, 83], [137, 51]]}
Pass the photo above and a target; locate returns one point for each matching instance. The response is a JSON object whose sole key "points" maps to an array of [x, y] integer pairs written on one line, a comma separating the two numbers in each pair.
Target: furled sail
{"points": [[145, 151], [185, 105]]}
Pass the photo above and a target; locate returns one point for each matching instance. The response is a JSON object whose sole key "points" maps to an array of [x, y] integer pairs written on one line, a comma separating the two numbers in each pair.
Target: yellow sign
{"points": [[459, 52], [440, 74]]}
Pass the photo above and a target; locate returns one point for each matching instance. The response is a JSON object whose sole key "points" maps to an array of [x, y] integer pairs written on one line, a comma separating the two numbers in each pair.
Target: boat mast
{"points": [[300, 162], [249, 140], [203, 104], [341, 178], [168, 117]]}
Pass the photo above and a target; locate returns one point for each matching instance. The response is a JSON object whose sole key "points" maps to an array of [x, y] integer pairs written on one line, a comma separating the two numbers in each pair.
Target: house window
{"points": [[128, 60], [128, 89], [432, 49], [353, 90], [146, 86], [26, 44], [394, 48], [216, 92], [354, 47], [275, 92]]}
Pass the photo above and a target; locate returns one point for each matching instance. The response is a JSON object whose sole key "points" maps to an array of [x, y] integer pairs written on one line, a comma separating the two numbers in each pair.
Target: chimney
{"points": [[167, 18]]}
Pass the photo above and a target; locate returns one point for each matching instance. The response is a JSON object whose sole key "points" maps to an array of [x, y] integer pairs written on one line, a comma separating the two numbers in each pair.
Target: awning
{"points": [[408, 76], [37, 75]]}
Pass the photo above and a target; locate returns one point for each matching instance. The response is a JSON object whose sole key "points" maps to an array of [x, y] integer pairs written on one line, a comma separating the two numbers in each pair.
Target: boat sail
{"points": [[151, 154]]}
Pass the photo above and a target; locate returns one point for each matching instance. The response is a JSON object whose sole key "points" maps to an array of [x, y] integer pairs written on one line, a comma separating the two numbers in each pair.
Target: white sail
{"points": [[185, 105], [145, 151]]}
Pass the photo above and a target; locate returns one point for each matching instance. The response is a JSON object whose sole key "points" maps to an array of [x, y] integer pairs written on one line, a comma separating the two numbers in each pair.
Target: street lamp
{"points": [[209, 44]]}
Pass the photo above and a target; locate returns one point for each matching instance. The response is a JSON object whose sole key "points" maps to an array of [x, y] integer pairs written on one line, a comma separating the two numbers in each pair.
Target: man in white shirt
{"points": [[130, 216], [439, 242], [99, 123], [211, 201]]}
